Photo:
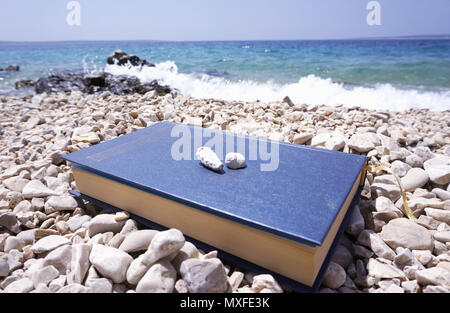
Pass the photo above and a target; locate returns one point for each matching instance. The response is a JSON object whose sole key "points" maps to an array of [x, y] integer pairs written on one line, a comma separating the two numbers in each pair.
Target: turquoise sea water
{"points": [[393, 74]]}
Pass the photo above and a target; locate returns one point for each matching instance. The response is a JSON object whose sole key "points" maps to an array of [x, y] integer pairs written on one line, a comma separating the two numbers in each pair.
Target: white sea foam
{"points": [[310, 89]]}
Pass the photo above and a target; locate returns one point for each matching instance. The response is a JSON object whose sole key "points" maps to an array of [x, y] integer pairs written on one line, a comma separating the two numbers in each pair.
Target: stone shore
{"points": [[51, 242]]}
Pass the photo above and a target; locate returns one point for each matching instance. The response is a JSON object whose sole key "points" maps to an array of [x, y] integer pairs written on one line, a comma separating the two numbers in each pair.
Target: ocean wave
{"points": [[309, 89]]}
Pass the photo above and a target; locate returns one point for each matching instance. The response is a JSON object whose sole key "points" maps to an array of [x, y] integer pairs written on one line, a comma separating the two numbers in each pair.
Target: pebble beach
{"points": [[52, 242]]}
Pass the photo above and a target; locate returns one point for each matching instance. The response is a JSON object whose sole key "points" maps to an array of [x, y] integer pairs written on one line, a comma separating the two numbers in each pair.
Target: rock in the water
{"points": [[103, 223], [49, 243], [79, 263], [334, 276], [138, 240], [415, 178], [235, 160], [204, 275], [110, 262], [160, 278], [37, 189], [12, 68], [209, 159], [119, 57], [402, 232], [438, 169]]}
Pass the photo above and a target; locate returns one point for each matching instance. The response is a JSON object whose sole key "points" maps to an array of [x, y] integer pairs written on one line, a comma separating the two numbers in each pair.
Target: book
{"points": [[283, 212]]}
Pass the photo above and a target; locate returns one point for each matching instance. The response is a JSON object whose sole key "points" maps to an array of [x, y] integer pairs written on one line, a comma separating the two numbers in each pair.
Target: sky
{"points": [[186, 20]]}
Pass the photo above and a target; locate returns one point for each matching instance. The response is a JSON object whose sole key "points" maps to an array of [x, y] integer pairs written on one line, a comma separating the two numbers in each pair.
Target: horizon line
{"points": [[397, 37]]}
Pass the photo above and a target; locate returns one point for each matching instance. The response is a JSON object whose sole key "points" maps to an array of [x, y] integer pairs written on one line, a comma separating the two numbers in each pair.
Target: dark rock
{"points": [[288, 101], [97, 82], [61, 82], [12, 68], [121, 58], [22, 84]]}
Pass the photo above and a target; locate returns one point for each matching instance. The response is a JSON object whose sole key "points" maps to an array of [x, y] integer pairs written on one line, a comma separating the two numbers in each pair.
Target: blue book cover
{"points": [[287, 190]]}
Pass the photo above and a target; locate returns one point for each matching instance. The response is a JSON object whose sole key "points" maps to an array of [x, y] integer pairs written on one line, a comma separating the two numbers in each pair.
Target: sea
{"points": [[381, 74]]}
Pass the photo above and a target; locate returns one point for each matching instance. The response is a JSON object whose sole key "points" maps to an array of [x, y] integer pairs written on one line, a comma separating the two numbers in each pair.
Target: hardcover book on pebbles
{"points": [[283, 212]]}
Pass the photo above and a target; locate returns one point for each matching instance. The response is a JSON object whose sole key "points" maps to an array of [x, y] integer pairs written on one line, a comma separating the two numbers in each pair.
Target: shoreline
{"points": [[37, 129]]}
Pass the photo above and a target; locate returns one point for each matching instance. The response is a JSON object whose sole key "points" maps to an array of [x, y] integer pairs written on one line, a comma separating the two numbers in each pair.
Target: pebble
{"points": [[302, 138], [49, 243], [37, 189], [60, 258], [62, 203], [209, 159], [186, 252], [23, 285], [44, 276], [439, 215], [110, 262], [266, 283], [356, 223], [99, 285], [378, 246], [79, 263], [76, 222], [12, 243], [138, 240], [103, 223], [160, 278], [204, 275], [74, 288], [334, 276], [57, 283], [364, 142], [235, 161], [433, 276], [163, 244], [415, 178], [381, 270], [402, 232], [16, 183], [342, 256], [438, 169], [4, 268]]}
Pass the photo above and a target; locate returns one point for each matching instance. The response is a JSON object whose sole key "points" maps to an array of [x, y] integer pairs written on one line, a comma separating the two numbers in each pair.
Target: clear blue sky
{"points": [[43, 20]]}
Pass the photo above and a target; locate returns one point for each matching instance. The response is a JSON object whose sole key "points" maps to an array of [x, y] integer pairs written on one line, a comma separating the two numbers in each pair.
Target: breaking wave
{"points": [[309, 89]]}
